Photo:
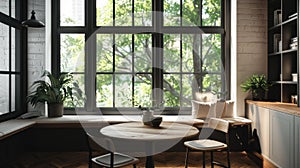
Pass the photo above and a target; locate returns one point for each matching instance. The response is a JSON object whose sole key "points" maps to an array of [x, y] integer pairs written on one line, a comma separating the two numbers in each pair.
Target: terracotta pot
{"points": [[55, 110]]}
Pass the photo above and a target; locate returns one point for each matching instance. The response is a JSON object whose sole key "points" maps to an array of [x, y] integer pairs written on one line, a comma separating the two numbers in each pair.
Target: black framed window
{"points": [[143, 52], [13, 54]]}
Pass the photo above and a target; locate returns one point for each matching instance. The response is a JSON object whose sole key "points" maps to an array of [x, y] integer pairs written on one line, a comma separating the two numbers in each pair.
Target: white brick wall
{"points": [[36, 44], [251, 44]]}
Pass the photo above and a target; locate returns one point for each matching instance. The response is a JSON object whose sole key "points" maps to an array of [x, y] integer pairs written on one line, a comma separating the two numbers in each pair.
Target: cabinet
{"points": [[297, 141], [282, 138], [283, 49], [260, 123], [278, 134]]}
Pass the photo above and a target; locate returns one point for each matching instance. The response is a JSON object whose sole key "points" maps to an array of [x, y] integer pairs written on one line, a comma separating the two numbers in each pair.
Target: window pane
{"points": [[104, 53], [13, 8], [143, 90], [13, 93], [187, 91], [212, 82], [4, 94], [72, 12], [211, 53], [4, 6], [190, 49], [142, 13], [123, 91], [78, 101], [190, 13], [171, 90], [142, 53], [123, 13], [104, 13], [13, 49], [171, 52], [4, 47], [72, 52], [123, 53], [172, 13], [211, 13], [104, 90]]}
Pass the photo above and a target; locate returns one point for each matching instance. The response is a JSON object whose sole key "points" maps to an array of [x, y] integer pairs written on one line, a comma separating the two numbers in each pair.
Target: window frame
{"points": [[157, 6], [20, 59]]}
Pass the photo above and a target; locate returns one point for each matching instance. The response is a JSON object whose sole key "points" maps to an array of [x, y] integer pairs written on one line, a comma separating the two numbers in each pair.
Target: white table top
{"points": [[138, 131]]}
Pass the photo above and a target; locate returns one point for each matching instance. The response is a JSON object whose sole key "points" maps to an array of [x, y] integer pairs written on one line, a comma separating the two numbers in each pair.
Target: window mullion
{"points": [[132, 70], [181, 57], [90, 72], [157, 54], [114, 70], [200, 12], [90, 56], [132, 11]]}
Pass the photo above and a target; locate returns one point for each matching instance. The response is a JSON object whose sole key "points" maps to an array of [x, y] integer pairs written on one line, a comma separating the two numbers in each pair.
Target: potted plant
{"points": [[54, 92], [257, 85]]}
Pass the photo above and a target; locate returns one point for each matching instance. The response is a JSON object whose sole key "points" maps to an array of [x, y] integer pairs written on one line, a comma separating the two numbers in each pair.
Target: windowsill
{"points": [[11, 127], [101, 120]]}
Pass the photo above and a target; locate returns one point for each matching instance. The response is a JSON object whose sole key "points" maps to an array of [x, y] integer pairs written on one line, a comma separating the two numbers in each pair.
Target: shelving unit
{"points": [[283, 50]]}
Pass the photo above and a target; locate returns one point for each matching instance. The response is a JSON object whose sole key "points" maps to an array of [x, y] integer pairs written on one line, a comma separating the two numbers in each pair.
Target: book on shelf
{"points": [[280, 46], [277, 17], [294, 43], [294, 39], [276, 39]]}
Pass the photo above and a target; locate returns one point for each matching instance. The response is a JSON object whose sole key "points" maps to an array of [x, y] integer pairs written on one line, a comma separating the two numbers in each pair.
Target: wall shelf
{"points": [[285, 82], [283, 55]]}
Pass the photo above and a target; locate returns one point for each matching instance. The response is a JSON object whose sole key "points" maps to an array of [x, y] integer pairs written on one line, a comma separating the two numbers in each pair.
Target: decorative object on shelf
{"points": [[277, 17], [294, 43], [33, 22], [294, 99], [54, 92], [276, 40], [280, 46], [294, 77], [257, 85]]}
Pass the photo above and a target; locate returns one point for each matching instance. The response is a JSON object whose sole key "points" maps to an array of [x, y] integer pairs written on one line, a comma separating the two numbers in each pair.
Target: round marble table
{"points": [[136, 131]]}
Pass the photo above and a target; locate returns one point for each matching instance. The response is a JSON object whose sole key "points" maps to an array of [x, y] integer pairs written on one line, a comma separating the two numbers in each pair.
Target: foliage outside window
{"points": [[131, 54]]}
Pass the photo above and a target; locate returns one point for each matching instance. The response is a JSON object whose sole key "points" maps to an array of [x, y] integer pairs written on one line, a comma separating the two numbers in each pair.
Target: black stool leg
{"points": [[228, 159], [203, 159], [186, 157], [212, 159]]}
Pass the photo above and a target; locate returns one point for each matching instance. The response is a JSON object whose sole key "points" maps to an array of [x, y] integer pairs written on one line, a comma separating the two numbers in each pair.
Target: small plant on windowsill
{"points": [[54, 92], [257, 85]]}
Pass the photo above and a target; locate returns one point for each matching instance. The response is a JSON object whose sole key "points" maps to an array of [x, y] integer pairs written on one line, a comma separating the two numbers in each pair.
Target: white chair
{"points": [[109, 160], [208, 145]]}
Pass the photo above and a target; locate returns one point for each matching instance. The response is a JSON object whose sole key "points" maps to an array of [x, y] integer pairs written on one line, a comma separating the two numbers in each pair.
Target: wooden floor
{"points": [[167, 160]]}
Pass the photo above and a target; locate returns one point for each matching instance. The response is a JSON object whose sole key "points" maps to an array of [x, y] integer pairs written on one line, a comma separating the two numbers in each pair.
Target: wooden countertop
{"points": [[288, 108]]}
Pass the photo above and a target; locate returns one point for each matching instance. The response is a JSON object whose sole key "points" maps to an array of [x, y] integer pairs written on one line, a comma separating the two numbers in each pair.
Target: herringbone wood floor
{"points": [[163, 160]]}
